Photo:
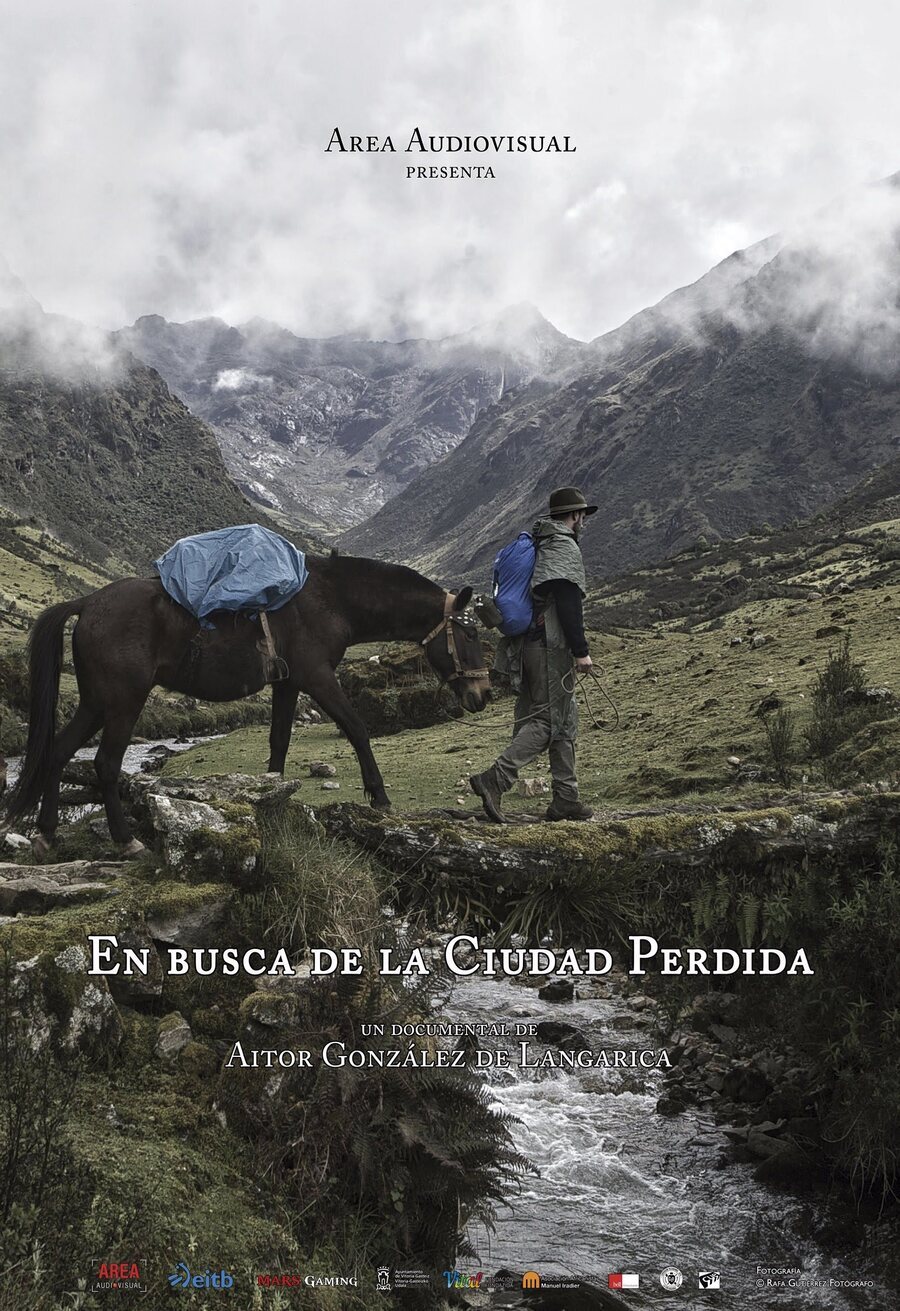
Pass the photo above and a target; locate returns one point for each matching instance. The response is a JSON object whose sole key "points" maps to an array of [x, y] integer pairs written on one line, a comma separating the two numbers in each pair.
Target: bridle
{"points": [[445, 625]]}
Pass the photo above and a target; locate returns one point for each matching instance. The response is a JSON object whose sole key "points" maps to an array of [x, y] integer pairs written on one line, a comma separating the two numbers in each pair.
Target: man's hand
{"points": [[583, 663]]}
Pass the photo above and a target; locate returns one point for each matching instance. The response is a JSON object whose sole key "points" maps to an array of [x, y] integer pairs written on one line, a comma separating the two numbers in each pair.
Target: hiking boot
{"points": [[486, 786], [559, 809]]}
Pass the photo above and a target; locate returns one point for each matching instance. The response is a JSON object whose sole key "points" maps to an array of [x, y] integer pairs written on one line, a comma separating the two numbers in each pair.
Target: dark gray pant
{"points": [[532, 733]]}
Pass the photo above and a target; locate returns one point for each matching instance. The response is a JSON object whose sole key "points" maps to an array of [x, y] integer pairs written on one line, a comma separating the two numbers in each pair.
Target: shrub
{"points": [[781, 731], [839, 707]]}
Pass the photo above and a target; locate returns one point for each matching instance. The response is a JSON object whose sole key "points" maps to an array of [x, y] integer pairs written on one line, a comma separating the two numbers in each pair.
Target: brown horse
{"points": [[131, 636]]}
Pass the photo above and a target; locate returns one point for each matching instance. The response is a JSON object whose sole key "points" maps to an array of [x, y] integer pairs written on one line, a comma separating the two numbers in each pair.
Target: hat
{"points": [[566, 500]]}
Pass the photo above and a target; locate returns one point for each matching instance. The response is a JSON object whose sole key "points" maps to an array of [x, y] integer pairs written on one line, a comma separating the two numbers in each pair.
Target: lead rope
{"points": [[580, 684]]}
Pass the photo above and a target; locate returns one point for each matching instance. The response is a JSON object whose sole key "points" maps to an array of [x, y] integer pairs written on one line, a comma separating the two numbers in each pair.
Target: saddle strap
{"points": [[277, 668]]}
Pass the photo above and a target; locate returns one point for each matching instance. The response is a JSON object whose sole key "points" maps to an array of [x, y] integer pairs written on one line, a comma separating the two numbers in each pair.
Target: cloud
{"points": [[169, 158], [240, 380]]}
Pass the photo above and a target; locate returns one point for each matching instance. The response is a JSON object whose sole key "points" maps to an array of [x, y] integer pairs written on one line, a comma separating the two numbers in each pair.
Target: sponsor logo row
{"points": [[126, 1276]]}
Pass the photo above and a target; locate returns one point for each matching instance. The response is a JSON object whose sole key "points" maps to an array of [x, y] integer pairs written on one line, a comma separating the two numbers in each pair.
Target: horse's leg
{"points": [[324, 688], [82, 726], [117, 731], [284, 703]]}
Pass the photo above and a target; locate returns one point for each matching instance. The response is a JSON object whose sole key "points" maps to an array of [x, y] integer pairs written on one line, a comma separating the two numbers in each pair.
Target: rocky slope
{"points": [[757, 396], [93, 445], [326, 431]]}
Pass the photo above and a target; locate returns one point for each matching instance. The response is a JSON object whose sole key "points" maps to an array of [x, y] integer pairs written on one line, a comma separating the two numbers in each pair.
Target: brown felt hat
{"points": [[566, 500]]}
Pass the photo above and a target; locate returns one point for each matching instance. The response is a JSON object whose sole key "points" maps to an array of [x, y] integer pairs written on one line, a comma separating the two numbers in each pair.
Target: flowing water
{"points": [[135, 755], [622, 1188]]}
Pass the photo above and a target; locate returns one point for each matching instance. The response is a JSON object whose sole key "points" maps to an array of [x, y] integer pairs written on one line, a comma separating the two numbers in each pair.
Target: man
{"points": [[540, 665]]}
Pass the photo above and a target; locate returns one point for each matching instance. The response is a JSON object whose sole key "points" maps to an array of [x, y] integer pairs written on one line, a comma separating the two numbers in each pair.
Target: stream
{"points": [[136, 756], [622, 1188]]}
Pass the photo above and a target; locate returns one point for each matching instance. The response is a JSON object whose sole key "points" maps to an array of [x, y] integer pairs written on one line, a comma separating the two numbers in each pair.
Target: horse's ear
{"points": [[462, 598]]}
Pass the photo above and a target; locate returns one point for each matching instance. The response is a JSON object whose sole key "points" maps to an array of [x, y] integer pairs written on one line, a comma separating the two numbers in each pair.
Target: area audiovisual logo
{"points": [[709, 1279], [117, 1277], [622, 1280], [671, 1278], [181, 1278]]}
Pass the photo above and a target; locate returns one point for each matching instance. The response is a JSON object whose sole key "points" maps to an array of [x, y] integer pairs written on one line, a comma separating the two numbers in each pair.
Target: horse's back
{"points": [[126, 629]]}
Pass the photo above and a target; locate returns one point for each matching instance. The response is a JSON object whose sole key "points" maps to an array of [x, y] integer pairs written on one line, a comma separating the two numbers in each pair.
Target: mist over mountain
{"points": [[326, 431], [758, 395], [94, 447]]}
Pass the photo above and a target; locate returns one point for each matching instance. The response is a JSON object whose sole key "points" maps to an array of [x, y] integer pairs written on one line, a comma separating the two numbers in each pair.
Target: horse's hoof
{"points": [[133, 849], [40, 847], [381, 805]]}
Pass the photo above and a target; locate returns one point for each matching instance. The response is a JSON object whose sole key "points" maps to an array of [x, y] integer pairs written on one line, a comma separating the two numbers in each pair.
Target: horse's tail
{"points": [[45, 658]]}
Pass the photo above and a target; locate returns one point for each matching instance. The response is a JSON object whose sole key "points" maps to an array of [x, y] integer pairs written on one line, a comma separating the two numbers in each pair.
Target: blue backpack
{"points": [[513, 568]]}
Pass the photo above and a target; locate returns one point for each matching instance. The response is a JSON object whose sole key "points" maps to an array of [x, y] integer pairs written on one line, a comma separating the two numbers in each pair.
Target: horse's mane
{"points": [[362, 570]]}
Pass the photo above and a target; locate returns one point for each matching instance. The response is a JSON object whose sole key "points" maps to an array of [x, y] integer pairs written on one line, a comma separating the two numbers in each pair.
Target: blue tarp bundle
{"points": [[244, 568]]}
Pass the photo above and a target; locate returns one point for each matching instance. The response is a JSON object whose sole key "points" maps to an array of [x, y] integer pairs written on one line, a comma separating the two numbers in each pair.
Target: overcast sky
{"points": [[167, 156]]}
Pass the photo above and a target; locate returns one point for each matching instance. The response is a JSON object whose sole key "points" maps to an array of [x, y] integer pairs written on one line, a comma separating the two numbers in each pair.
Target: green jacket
{"points": [[558, 556]]}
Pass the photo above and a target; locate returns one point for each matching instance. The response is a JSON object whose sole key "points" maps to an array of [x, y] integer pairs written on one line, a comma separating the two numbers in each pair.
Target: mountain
{"points": [[326, 431], [95, 448], [756, 396]]}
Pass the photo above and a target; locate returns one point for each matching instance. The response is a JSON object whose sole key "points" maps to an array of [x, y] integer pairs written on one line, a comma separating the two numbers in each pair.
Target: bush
{"points": [[839, 708], [781, 731]]}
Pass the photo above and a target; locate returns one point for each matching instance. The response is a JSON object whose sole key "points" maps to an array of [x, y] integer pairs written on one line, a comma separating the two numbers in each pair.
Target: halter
{"points": [[445, 625]]}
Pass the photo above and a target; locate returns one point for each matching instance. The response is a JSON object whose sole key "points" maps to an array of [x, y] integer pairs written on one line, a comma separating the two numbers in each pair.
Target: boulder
{"points": [[556, 1033], [62, 1004], [33, 890], [746, 1083], [173, 1034], [198, 923], [557, 990], [197, 838]]}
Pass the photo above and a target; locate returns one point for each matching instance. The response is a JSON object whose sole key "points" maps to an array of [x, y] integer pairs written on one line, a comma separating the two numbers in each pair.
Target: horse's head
{"points": [[454, 652]]}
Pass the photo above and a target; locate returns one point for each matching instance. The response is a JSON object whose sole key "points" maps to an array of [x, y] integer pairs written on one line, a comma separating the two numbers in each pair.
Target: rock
{"points": [[830, 630], [711, 1008], [758, 639], [736, 641], [17, 841], [557, 990], [556, 1033], [197, 1059], [330, 786], [736, 1133], [63, 1005], [532, 787], [321, 769], [724, 1034], [672, 1103], [197, 838], [642, 1003], [762, 1144], [734, 761], [196, 925], [269, 1008], [786, 1102], [133, 989], [34, 890], [788, 1162], [173, 1034], [745, 1083]]}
